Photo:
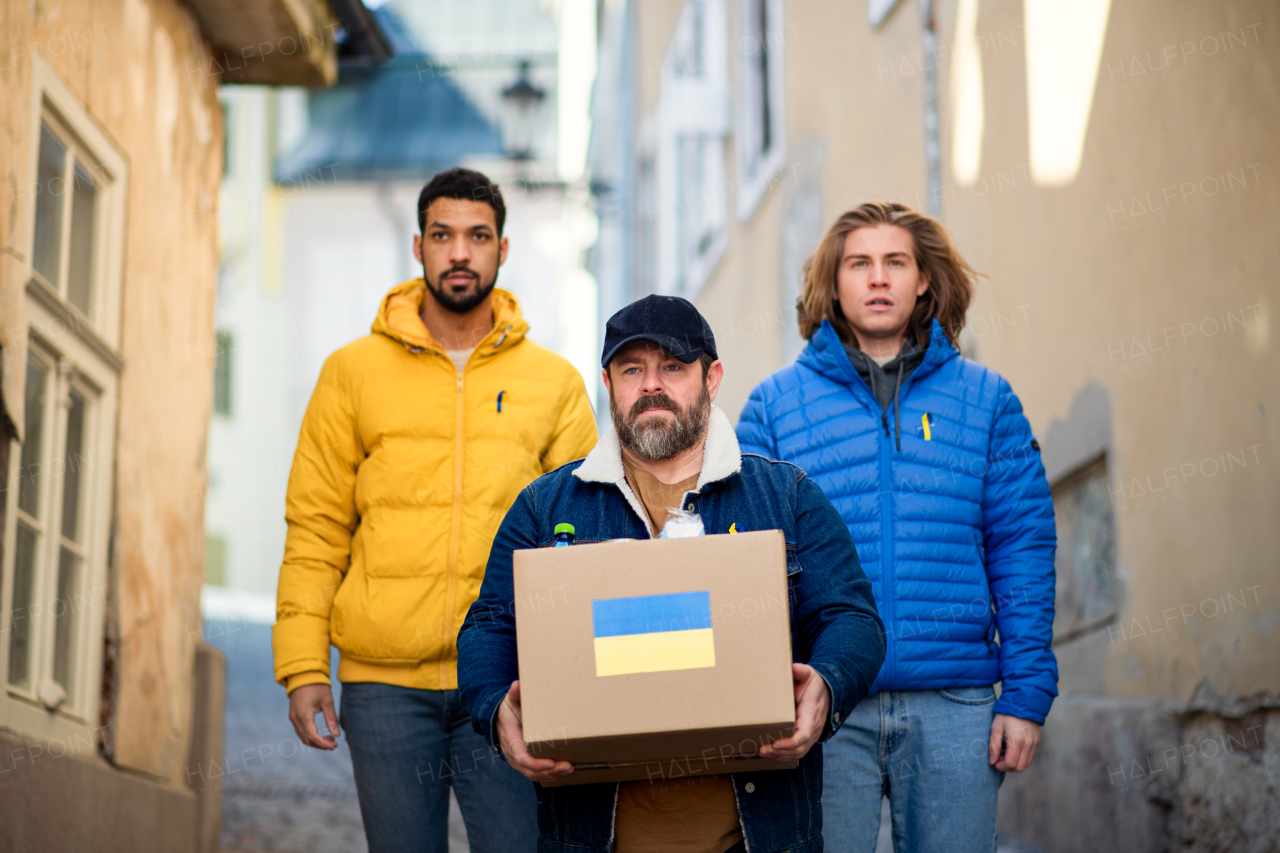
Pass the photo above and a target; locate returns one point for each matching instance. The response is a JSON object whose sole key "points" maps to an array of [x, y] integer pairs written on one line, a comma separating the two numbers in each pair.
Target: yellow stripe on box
{"points": [[660, 651]]}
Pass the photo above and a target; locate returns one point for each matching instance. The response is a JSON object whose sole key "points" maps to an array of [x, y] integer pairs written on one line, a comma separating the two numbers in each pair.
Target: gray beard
{"points": [[658, 440]]}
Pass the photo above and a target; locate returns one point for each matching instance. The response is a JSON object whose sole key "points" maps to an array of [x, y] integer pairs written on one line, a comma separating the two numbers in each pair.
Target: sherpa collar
{"points": [[721, 458]]}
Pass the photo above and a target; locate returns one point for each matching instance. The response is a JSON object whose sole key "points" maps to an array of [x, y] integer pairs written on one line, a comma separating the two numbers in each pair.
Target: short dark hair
{"points": [[465, 184]]}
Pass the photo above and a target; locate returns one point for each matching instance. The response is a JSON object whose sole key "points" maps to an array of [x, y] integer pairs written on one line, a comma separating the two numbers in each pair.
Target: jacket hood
{"points": [[398, 319], [826, 354]]}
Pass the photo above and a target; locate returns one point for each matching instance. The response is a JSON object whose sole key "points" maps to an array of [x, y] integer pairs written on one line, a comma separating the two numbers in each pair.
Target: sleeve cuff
{"points": [[1012, 710], [487, 724], [302, 679], [834, 717], [493, 728]]}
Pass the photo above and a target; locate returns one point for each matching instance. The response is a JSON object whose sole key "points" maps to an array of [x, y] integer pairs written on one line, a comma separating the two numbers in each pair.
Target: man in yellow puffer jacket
{"points": [[417, 440]]}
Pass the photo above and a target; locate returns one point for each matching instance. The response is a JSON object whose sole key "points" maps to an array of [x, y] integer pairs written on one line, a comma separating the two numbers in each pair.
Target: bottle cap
{"points": [[564, 527]]}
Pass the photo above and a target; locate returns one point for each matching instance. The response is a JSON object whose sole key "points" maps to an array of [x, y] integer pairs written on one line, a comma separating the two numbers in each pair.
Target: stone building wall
{"points": [[1132, 304]]}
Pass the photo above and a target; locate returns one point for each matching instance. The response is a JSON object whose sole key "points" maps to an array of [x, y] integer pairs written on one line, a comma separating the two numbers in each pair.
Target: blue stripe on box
{"points": [[650, 614]]}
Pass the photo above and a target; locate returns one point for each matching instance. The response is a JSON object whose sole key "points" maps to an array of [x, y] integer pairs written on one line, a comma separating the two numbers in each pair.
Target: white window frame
{"points": [[53, 103], [756, 169], [82, 352], [693, 103]]}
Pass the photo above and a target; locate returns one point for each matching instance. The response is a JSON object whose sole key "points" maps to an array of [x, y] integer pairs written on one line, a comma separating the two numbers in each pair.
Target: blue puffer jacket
{"points": [[955, 529]]}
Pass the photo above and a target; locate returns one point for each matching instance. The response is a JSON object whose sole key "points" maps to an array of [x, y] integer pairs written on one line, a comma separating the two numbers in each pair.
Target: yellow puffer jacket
{"points": [[404, 470]]}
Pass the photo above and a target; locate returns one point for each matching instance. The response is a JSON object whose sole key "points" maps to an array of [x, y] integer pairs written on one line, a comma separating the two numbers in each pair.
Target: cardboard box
{"points": [[655, 659]]}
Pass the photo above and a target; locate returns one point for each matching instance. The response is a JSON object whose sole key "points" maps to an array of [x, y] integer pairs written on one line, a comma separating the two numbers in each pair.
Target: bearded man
{"points": [[417, 439], [670, 447]]}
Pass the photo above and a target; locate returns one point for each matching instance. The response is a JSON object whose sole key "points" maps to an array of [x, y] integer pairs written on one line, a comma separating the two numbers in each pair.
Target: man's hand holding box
{"points": [[676, 653]]}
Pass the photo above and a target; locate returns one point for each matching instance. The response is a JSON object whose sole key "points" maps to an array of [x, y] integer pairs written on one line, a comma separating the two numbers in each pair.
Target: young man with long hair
{"points": [[933, 466]]}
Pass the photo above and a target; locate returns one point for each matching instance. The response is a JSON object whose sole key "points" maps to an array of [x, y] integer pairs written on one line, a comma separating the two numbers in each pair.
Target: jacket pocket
{"points": [[364, 607], [989, 628]]}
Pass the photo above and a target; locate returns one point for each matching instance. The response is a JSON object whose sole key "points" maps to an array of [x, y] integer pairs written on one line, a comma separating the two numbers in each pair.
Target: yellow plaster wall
{"points": [[1074, 288], [132, 69]]}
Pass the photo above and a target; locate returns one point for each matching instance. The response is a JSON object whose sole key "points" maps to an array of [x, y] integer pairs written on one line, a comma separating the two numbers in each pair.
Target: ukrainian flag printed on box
{"points": [[653, 633]]}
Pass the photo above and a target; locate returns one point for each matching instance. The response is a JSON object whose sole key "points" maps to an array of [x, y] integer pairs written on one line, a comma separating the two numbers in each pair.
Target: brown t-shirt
{"points": [[693, 815], [656, 496]]}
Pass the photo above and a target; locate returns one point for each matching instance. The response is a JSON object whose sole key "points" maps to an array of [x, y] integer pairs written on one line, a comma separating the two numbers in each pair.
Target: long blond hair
{"points": [[951, 279]]}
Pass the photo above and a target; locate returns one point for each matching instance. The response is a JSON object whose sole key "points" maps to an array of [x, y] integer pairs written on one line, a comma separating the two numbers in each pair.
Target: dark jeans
{"points": [[408, 747]]}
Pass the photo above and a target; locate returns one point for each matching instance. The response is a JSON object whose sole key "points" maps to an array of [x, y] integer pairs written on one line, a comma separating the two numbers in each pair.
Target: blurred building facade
{"points": [[317, 212], [110, 707], [1108, 166]]}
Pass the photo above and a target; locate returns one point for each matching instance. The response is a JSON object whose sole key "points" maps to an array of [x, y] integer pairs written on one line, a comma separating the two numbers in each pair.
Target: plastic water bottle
{"points": [[564, 535], [682, 524]]}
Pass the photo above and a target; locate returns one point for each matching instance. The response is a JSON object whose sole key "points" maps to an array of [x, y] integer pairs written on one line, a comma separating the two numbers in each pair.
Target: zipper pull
{"points": [[884, 419]]}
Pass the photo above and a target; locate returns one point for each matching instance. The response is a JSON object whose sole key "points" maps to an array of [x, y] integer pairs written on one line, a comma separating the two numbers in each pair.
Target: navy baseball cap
{"points": [[668, 321]]}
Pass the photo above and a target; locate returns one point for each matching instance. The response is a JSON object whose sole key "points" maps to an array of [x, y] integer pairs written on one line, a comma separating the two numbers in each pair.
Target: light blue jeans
{"points": [[926, 750]]}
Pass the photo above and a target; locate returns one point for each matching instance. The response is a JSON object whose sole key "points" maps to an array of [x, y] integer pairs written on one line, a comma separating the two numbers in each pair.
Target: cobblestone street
{"points": [[279, 795]]}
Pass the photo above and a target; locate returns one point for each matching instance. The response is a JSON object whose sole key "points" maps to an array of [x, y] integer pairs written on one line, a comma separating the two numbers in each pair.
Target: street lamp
{"points": [[524, 98]]}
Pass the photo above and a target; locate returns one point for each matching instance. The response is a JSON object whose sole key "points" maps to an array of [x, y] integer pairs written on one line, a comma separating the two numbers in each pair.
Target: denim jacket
{"points": [[834, 624]]}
